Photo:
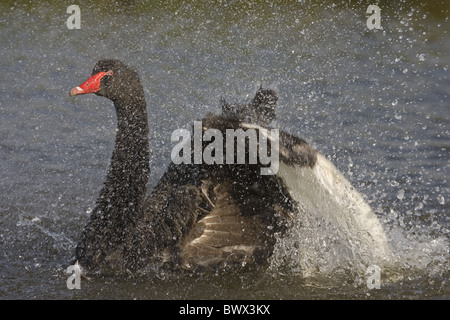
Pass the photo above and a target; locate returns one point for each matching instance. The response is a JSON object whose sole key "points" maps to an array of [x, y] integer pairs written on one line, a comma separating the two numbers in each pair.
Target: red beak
{"points": [[91, 85]]}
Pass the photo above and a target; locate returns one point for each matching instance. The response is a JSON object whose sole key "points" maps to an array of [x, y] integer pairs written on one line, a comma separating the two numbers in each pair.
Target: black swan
{"points": [[203, 216]]}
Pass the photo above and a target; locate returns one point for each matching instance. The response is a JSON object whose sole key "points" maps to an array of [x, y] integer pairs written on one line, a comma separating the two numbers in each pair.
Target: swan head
{"points": [[111, 79]]}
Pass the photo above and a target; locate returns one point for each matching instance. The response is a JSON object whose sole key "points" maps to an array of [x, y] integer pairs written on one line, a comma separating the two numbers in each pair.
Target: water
{"points": [[375, 102]]}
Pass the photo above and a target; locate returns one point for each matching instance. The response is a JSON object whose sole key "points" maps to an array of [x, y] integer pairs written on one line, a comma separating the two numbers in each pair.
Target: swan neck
{"points": [[126, 183]]}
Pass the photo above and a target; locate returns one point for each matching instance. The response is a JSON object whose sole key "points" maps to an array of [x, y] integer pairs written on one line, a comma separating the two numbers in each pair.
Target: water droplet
{"points": [[400, 194], [394, 183], [441, 199]]}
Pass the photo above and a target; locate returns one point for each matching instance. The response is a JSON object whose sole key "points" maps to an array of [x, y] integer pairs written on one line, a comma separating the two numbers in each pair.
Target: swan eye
{"points": [[109, 73]]}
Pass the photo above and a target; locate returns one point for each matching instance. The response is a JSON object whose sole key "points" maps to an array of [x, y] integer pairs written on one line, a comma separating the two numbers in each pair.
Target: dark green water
{"points": [[376, 102]]}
